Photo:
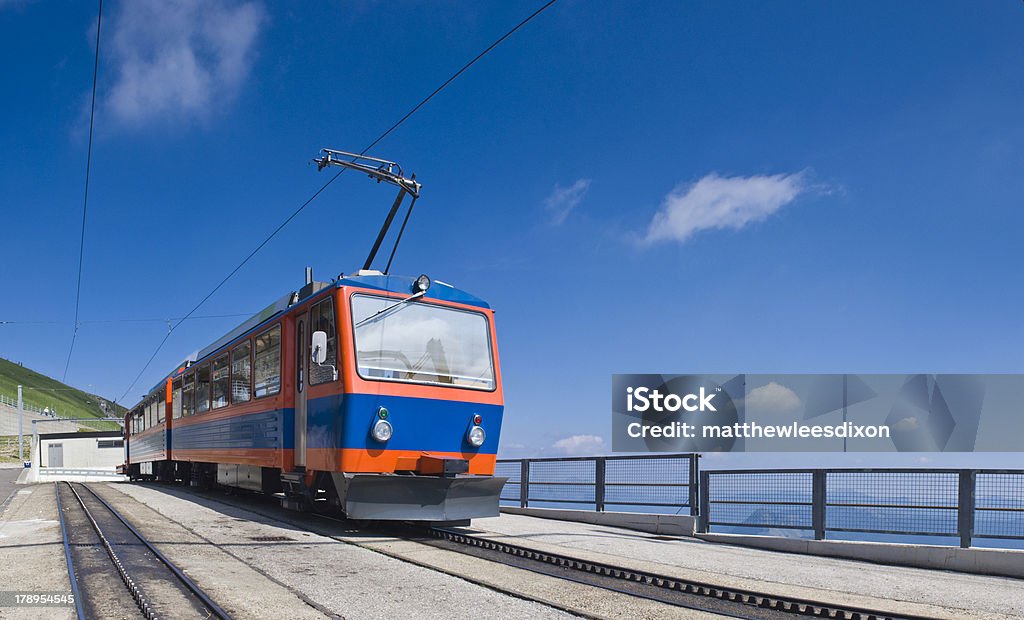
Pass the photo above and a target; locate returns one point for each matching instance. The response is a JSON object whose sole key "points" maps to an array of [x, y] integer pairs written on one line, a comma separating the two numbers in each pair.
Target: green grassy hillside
{"points": [[42, 391]]}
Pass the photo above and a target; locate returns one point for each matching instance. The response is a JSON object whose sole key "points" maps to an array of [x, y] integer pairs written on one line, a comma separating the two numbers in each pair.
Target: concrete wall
{"points": [[83, 453], [669, 525], [1002, 562], [9, 422]]}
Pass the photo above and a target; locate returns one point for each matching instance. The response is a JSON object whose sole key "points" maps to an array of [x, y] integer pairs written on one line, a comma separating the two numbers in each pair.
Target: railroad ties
{"points": [[671, 590], [115, 571]]}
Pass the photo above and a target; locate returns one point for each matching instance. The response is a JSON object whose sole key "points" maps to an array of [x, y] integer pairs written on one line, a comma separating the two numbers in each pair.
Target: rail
{"points": [[646, 483]]}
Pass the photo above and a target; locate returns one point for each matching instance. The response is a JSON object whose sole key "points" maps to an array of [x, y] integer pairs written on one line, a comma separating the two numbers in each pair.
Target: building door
{"points": [[55, 455], [301, 364]]}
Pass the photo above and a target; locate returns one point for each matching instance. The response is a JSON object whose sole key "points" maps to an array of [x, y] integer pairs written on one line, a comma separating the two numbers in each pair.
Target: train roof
{"points": [[366, 280]]}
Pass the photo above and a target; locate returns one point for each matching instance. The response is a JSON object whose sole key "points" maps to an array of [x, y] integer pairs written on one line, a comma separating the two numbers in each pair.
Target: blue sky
{"points": [[635, 187]]}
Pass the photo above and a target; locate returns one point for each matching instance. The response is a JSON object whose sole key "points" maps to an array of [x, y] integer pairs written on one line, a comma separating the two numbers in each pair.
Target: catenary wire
{"points": [[85, 200], [295, 213], [169, 319]]}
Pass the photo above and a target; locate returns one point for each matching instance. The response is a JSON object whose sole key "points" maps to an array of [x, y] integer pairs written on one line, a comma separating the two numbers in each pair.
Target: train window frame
{"points": [[225, 360], [188, 388], [326, 371], [280, 359], [209, 389], [396, 299], [161, 409], [234, 360], [176, 398]]}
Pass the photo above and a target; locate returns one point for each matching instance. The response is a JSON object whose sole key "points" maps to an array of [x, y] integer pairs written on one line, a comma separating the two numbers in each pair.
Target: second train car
{"points": [[378, 394]]}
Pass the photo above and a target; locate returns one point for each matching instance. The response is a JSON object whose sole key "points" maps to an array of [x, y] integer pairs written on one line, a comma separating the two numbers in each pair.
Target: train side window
{"points": [[267, 364], [203, 388], [176, 399], [149, 414], [161, 408], [322, 320], [188, 394], [221, 381], [241, 372]]}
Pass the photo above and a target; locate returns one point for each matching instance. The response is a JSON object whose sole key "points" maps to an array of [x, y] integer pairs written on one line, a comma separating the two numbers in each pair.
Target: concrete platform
{"points": [[32, 552], [935, 593], [241, 558]]}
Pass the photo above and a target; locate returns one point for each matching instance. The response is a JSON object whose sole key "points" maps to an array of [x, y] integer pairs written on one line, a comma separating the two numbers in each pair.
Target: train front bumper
{"points": [[400, 497]]}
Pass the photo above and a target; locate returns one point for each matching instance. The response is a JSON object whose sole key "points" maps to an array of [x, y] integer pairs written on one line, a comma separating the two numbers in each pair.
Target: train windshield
{"points": [[421, 343]]}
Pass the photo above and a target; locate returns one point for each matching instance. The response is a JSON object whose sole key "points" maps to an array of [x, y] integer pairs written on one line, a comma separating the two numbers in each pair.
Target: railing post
{"points": [[965, 507], [704, 518], [694, 495], [819, 489], [524, 483], [599, 470]]}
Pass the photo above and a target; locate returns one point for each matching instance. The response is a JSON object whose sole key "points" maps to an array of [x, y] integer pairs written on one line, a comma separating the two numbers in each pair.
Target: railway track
{"points": [[690, 594], [675, 591], [115, 571], [728, 601]]}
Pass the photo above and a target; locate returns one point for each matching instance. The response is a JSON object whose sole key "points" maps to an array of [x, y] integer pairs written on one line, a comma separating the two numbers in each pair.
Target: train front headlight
{"points": [[476, 436], [382, 430]]}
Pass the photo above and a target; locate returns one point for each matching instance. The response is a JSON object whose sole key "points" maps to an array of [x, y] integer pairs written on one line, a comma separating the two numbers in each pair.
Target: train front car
{"points": [[409, 429]]}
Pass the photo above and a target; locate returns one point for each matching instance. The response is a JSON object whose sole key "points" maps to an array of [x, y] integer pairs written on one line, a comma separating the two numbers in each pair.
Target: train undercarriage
{"points": [[449, 496]]}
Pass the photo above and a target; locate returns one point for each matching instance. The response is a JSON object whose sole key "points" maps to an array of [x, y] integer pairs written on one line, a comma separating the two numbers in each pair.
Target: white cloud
{"points": [[722, 202], [773, 397], [579, 445], [185, 58], [563, 200], [907, 424]]}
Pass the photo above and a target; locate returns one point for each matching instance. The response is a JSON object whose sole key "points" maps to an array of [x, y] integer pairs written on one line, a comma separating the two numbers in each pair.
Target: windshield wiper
{"points": [[391, 307]]}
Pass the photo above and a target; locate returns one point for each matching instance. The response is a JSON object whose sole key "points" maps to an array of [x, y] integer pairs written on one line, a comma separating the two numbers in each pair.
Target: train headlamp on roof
{"points": [[421, 284]]}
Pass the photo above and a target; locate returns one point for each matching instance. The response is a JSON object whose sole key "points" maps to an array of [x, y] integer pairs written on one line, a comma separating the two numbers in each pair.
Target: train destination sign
{"points": [[816, 413]]}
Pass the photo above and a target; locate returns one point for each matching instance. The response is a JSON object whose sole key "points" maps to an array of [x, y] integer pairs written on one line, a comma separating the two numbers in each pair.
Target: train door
{"points": [[301, 363]]}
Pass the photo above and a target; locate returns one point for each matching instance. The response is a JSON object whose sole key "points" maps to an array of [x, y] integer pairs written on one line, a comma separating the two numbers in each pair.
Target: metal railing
{"points": [[655, 482], [12, 402], [9, 446], [958, 503]]}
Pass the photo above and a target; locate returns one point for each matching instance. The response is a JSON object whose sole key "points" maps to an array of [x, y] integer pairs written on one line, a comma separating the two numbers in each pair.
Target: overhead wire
{"points": [[305, 204], [85, 200], [133, 320]]}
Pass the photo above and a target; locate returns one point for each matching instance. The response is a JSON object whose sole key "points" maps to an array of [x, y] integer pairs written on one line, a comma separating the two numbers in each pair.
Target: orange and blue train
{"points": [[377, 394]]}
